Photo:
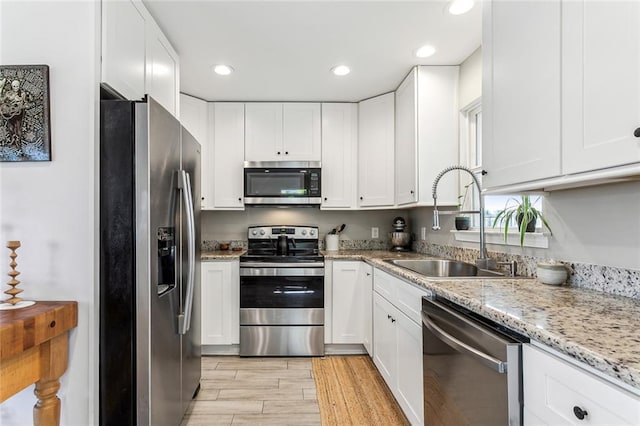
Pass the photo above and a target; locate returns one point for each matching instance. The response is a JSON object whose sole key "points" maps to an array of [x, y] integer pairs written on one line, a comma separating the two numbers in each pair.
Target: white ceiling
{"points": [[283, 51]]}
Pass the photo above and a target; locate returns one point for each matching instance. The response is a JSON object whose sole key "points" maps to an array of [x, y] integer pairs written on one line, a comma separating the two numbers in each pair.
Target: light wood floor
{"points": [[277, 391]]}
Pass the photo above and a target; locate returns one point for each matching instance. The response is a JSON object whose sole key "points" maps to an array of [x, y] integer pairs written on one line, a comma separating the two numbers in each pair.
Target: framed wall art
{"points": [[24, 113]]}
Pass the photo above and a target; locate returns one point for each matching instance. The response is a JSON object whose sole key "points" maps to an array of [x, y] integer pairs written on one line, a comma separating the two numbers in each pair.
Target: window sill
{"points": [[531, 239]]}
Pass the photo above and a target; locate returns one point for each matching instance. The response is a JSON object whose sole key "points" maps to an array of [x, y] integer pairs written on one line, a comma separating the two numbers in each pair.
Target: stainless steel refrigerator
{"points": [[149, 265]]}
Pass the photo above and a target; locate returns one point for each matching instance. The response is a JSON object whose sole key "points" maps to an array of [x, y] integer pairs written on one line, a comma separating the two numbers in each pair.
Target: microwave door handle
{"points": [[483, 358]]}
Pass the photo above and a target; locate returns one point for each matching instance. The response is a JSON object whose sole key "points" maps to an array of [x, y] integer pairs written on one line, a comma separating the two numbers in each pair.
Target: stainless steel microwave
{"points": [[282, 183]]}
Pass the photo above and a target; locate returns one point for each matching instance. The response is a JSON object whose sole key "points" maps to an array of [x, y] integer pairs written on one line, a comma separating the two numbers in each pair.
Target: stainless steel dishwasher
{"points": [[472, 367]]}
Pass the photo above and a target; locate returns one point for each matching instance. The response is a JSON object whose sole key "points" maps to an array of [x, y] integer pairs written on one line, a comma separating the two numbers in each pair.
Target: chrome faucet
{"points": [[482, 262]]}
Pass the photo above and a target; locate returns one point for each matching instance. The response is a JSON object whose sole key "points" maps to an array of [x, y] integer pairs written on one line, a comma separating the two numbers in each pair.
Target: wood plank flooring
{"points": [[234, 391], [282, 391]]}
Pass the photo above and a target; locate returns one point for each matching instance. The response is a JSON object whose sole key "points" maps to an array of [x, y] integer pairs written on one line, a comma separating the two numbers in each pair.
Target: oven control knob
{"points": [[312, 232], [262, 232], [304, 232], [254, 232]]}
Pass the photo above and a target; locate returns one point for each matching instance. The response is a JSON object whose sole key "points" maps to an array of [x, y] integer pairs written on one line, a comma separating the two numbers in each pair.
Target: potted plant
{"points": [[523, 213], [463, 221]]}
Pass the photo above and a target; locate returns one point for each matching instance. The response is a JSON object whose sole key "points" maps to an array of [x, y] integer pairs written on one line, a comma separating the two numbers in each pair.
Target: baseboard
{"points": [[344, 349], [220, 349]]}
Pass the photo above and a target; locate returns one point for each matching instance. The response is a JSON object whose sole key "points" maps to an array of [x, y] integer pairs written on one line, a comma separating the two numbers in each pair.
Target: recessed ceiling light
{"points": [[425, 51], [222, 69], [458, 7], [340, 70]]}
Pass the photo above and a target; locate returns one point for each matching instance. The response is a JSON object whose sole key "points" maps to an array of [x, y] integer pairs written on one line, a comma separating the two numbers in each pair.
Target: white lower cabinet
{"points": [[397, 341], [351, 321], [220, 303], [557, 392]]}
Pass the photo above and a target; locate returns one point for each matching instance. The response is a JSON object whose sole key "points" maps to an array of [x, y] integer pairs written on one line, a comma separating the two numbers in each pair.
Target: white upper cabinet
{"points": [[123, 47], [282, 132], [600, 84], [407, 140], [227, 119], [193, 116], [301, 132], [263, 131], [162, 69], [339, 155], [521, 91], [427, 135], [376, 151], [137, 59], [561, 93]]}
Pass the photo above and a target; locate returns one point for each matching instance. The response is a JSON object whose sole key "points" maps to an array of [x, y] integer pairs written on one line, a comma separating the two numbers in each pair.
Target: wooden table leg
{"points": [[53, 363]]}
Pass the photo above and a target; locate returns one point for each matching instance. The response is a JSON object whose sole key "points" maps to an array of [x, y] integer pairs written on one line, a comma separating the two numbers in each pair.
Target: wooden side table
{"points": [[34, 349]]}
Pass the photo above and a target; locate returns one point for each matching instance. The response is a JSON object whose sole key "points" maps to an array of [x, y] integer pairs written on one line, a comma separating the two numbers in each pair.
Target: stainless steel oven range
{"points": [[282, 292]]}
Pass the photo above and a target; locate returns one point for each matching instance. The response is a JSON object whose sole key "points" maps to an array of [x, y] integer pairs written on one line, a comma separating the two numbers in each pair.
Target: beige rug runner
{"points": [[352, 392]]}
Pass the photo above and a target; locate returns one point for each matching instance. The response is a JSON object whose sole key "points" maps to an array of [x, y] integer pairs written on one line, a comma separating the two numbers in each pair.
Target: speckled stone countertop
{"points": [[596, 328], [221, 254]]}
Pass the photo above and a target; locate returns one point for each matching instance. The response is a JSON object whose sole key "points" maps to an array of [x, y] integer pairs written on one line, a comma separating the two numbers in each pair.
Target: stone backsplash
{"points": [[607, 279]]}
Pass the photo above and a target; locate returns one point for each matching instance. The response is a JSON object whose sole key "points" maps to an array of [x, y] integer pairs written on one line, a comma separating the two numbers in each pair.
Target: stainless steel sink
{"points": [[440, 268]]}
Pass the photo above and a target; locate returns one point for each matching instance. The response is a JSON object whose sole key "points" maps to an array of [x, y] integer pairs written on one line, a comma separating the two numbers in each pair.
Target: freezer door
{"points": [[190, 268], [158, 343]]}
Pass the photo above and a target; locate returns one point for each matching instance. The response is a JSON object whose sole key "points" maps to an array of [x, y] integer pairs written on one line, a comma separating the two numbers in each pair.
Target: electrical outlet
{"points": [[423, 233], [374, 233]]}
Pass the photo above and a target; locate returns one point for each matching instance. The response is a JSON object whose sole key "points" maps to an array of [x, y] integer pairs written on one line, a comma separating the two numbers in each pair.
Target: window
{"points": [[471, 154]]}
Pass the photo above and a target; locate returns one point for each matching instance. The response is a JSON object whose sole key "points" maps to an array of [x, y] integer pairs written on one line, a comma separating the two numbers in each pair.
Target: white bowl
{"points": [[552, 273]]}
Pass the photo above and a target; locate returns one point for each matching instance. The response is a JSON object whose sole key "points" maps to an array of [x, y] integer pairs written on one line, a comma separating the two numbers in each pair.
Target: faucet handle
{"points": [[436, 220]]}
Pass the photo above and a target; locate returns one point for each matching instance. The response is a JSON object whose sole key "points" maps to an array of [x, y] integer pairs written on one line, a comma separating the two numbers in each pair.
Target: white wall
{"points": [[223, 226], [470, 87], [597, 225], [51, 206]]}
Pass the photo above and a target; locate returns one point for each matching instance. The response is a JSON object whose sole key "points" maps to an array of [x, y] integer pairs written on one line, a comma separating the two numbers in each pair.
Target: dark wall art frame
{"points": [[25, 129]]}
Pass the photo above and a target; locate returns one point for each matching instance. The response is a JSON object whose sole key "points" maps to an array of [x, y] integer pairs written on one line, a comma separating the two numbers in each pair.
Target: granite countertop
{"points": [[596, 328], [221, 254]]}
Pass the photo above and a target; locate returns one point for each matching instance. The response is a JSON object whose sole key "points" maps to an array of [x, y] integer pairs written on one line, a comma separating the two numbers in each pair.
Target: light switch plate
{"points": [[423, 233], [374, 233]]}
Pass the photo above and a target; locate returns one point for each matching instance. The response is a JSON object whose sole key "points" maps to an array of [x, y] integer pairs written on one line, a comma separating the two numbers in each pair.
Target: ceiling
{"points": [[284, 50]]}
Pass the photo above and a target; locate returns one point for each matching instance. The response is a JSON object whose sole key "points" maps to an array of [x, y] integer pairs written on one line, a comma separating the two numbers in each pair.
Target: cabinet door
{"points": [[438, 132], [194, 118], [162, 69], [220, 303], [263, 132], [376, 151], [520, 91], [339, 154], [366, 284], [123, 47], [384, 339], [553, 389], [406, 140], [409, 373], [228, 155], [600, 84], [348, 304], [301, 133]]}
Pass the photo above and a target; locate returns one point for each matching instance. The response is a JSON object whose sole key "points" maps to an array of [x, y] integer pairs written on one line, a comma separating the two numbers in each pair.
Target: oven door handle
{"points": [[281, 272], [483, 358], [263, 265]]}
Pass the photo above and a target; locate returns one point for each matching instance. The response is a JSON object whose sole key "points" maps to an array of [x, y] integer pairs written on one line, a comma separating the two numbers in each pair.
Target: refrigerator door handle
{"points": [[184, 318]]}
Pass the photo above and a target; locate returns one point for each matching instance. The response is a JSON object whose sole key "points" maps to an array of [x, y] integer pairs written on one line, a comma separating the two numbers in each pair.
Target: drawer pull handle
{"points": [[636, 133], [579, 413], [52, 324]]}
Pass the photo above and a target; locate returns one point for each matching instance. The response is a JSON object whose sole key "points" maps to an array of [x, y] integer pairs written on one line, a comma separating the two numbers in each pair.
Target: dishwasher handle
{"points": [[483, 358]]}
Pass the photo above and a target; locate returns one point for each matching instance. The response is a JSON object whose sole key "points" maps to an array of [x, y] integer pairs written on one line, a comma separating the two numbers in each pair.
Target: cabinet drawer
{"points": [[553, 389], [385, 285], [410, 300]]}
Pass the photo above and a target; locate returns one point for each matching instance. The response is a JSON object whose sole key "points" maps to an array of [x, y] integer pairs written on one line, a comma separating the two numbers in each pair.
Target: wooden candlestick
{"points": [[13, 291]]}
